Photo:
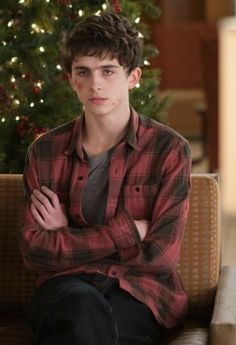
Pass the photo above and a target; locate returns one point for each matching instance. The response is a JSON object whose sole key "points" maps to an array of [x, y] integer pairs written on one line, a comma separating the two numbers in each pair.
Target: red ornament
{"points": [[116, 6], [24, 126], [39, 131], [36, 90], [4, 98]]}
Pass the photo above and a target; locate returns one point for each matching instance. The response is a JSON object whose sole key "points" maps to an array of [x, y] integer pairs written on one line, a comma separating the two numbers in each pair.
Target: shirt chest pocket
{"points": [[139, 200]]}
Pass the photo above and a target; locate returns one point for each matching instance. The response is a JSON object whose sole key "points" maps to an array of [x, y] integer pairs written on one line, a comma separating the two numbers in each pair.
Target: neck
{"points": [[102, 133]]}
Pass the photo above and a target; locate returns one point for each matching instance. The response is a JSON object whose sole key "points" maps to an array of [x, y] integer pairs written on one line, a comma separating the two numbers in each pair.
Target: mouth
{"points": [[97, 100]]}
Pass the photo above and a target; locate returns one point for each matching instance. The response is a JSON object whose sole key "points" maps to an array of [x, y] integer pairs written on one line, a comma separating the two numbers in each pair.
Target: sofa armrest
{"points": [[223, 323]]}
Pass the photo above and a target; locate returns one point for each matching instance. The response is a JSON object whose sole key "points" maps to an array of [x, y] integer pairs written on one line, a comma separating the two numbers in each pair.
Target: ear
{"points": [[134, 77]]}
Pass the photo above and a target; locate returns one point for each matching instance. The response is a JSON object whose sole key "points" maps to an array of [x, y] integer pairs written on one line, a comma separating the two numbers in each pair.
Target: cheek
{"points": [[79, 86]]}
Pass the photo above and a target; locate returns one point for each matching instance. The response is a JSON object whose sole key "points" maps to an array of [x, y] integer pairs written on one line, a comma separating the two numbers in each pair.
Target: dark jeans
{"points": [[90, 310]]}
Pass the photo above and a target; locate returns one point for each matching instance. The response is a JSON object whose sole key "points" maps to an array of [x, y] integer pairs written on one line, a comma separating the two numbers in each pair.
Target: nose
{"points": [[96, 81]]}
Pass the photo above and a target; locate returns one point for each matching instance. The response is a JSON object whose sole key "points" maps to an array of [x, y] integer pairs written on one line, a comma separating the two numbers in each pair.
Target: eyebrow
{"points": [[100, 67]]}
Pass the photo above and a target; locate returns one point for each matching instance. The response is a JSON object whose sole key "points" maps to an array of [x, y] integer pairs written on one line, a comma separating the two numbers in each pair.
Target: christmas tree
{"points": [[34, 92]]}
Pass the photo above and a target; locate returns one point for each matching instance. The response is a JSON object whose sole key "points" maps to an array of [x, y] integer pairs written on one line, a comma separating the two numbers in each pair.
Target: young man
{"points": [[107, 203]]}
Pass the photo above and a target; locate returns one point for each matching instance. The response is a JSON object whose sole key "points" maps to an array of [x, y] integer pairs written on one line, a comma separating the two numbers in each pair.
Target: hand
{"points": [[47, 210], [142, 226]]}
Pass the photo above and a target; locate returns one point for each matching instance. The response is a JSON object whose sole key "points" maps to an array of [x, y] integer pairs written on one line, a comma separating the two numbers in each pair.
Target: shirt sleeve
{"points": [[54, 250], [159, 251]]}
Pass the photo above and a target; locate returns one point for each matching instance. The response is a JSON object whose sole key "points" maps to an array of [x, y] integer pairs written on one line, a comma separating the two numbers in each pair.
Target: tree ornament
{"points": [[116, 6]]}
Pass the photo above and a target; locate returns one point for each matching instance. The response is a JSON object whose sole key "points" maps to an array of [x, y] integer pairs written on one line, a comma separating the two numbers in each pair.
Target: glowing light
{"points": [[104, 6], [137, 20], [41, 101], [42, 49], [36, 28], [3, 119], [137, 85], [98, 13], [39, 85], [80, 13], [47, 0], [59, 67], [16, 101], [14, 59], [17, 118], [55, 18], [140, 35], [31, 104], [13, 79], [4, 43], [146, 63], [21, 1], [10, 23]]}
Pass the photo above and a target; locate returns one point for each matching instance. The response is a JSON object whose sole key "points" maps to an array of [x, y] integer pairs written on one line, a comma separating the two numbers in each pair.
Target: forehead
{"points": [[94, 62]]}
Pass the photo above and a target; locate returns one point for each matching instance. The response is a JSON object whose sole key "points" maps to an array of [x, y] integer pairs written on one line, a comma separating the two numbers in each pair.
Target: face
{"points": [[102, 86]]}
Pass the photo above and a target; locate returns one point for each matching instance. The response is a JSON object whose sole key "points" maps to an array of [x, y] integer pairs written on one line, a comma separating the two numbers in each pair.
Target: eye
{"points": [[108, 72], [82, 73]]}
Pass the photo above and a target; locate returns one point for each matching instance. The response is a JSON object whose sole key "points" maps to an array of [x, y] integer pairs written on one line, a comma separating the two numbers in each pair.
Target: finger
{"points": [[40, 198], [41, 208], [52, 196], [37, 216]]}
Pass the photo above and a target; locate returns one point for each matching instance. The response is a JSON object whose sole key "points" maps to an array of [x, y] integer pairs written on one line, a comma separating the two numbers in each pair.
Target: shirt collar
{"points": [[130, 137]]}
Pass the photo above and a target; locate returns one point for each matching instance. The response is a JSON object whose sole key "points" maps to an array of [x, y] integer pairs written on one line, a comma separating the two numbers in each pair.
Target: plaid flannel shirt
{"points": [[149, 178]]}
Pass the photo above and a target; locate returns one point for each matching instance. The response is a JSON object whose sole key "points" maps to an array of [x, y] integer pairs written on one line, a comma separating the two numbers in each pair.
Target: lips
{"points": [[97, 100]]}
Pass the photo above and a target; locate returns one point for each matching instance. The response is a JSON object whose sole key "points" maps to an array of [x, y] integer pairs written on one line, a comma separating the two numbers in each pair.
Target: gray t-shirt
{"points": [[94, 197]]}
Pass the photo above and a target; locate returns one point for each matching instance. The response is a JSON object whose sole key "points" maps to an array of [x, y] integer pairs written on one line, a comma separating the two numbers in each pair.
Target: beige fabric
{"points": [[199, 262], [223, 323], [188, 335]]}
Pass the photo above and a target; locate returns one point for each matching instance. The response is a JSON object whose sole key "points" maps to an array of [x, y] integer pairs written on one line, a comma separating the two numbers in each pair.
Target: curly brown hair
{"points": [[104, 35]]}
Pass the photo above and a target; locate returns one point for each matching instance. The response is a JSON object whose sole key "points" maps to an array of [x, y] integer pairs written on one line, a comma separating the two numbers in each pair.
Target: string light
{"points": [[16, 101], [137, 20], [17, 118], [10, 23], [41, 101], [21, 1], [4, 43], [146, 63], [140, 35], [98, 13], [80, 13], [3, 119], [59, 67], [104, 6], [13, 79], [14, 59], [42, 49], [31, 104], [137, 85]]}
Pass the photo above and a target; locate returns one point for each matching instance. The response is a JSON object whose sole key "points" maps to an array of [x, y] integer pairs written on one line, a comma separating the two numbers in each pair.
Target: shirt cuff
{"points": [[123, 230]]}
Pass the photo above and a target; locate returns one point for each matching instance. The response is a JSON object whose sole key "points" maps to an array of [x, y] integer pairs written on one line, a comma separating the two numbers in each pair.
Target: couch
{"points": [[211, 288]]}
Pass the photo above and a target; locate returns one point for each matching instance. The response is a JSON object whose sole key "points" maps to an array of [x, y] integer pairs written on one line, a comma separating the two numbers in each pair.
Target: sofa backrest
{"points": [[198, 266], [16, 283]]}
